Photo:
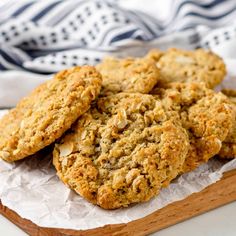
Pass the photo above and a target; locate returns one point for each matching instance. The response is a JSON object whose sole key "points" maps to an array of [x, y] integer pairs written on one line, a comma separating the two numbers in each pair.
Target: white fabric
{"points": [[161, 24]]}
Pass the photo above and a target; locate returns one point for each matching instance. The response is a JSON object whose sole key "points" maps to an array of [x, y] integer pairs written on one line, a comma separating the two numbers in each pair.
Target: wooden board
{"points": [[218, 194]]}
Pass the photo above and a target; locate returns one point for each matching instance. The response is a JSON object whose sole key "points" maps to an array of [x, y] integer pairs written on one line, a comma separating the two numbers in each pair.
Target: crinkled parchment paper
{"points": [[31, 188]]}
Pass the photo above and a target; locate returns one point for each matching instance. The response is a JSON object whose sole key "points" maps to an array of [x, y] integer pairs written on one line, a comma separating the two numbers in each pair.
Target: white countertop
{"points": [[217, 222]]}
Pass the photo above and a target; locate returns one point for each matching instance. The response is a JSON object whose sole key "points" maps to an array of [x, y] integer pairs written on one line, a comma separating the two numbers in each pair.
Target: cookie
{"points": [[128, 75], [228, 149], [177, 65], [43, 116], [122, 151], [206, 115]]}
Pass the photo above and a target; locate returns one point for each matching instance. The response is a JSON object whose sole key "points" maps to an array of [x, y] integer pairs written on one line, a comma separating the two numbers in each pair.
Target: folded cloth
{"points": [[39, 38]]}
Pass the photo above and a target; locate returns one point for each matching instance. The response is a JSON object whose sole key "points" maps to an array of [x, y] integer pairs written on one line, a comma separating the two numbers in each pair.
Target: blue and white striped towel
{"points": [[38, 38]]}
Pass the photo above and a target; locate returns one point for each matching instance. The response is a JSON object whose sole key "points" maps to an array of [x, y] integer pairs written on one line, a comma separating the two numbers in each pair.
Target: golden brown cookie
{"points": [[121, 151], [128, 75], [206, 115], [43, 116], [177, 65], [228, 149]]}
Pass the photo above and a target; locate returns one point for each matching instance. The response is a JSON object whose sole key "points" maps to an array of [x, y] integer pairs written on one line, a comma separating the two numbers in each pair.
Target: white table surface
{"points": [[217, 222]]}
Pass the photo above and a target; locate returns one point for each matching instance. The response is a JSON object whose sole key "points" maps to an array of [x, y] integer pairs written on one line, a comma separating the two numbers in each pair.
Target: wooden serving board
{"points": [[215, 195]]}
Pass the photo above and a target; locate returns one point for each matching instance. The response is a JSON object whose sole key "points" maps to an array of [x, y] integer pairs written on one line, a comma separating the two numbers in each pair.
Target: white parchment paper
{"points": [[31, 188]]}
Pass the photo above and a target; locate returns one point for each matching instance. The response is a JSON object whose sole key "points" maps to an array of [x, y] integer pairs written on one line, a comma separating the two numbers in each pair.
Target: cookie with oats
{"points": [[122, 151], [228, 149], [206, 115], [128, 75], [44, 115], [177, 65]]}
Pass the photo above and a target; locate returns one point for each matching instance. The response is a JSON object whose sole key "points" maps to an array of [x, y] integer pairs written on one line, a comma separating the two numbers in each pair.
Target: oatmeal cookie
{"points": [[228, 149], [121, 151], [177, 65], [206, 115], [128, 75], [43, 116]]}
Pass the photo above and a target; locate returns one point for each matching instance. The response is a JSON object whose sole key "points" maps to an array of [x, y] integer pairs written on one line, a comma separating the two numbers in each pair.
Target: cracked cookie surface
{"points": [[128, 75], [228, 149], [206, 115], [44, 115], [122, 151], [177, 65]]}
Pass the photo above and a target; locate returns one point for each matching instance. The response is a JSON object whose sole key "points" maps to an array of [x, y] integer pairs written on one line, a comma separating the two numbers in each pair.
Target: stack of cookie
{"points": [[127, 128]]}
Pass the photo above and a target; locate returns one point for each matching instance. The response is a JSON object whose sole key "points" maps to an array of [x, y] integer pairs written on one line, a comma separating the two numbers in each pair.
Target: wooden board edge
{"points": [[215, 195]]}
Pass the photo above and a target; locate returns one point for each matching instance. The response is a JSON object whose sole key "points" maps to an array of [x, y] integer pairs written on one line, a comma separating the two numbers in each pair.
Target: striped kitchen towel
{"points": [[38, 38]]}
